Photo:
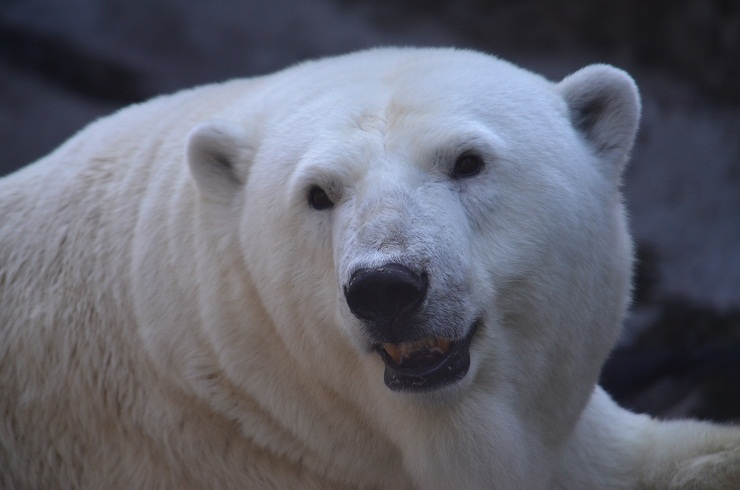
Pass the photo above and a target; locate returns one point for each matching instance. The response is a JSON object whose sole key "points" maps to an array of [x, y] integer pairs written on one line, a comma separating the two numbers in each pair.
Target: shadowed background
{"points": [[64, 63]]}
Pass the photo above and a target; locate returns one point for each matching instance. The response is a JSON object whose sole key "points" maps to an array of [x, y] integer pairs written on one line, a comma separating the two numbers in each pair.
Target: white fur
{"points": [[172, 311]]}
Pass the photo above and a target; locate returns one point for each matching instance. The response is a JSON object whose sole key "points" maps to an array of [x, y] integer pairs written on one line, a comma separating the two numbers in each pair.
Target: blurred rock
{"points": [[695, 39], [687, 363]]}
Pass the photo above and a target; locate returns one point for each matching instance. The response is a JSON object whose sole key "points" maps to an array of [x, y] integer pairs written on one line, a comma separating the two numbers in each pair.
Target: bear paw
{"points": [[716, 471]]}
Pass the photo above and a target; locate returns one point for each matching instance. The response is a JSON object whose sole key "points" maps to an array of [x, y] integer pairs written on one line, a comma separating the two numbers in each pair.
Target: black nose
{"points": [[385, 293]]}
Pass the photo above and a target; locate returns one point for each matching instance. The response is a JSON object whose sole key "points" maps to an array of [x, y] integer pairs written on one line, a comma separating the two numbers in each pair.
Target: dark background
{"points": [[64, 63]]}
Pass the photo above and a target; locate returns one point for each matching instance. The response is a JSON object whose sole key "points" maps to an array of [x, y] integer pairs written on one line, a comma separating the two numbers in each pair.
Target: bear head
{"points": [[426, 222]]}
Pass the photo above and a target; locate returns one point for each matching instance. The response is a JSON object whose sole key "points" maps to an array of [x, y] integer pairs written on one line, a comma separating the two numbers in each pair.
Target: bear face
{"points": [[475, 225], [420, 238]]}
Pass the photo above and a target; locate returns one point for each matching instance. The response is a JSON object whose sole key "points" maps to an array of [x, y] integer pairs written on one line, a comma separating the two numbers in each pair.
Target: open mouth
{"points": [[426, 364]]}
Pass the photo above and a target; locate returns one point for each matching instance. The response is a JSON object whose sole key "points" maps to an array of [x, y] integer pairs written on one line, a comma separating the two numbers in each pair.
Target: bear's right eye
{"points": [[318, 199], [467, 165]]}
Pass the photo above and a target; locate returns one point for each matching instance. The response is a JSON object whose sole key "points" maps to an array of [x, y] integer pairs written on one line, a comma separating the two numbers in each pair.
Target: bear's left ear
{"points": [[604, 106], [219, 157]]}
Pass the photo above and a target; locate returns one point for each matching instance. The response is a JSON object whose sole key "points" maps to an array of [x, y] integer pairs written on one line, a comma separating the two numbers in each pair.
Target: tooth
{"points": [[394, 351], [402, 351]]}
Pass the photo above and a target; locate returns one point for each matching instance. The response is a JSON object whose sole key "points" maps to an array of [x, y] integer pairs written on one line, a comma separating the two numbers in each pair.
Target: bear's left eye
{"points": [[318, 199], [467, 165]]}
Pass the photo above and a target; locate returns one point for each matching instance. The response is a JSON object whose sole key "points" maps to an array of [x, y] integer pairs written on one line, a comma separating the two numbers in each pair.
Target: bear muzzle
{"points": [[387, 300]]}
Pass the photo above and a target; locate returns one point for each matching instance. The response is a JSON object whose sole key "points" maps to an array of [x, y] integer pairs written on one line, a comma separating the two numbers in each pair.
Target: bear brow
{"points": [[369, 121]]}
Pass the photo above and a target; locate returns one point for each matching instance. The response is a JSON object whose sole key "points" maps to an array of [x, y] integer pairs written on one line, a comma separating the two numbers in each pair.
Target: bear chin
{"points": [[429, 365]]}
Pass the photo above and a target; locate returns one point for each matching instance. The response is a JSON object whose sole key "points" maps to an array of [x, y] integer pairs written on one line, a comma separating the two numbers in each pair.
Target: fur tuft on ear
{"points": [[219, 158], [604, 106]]}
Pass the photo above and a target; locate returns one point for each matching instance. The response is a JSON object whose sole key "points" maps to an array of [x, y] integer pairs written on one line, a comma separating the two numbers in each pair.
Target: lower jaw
{"points": [[450, 370]]}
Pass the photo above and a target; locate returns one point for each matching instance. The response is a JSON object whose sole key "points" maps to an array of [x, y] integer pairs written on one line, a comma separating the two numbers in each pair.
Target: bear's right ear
{"points": [[604, 107], [219, 158]]}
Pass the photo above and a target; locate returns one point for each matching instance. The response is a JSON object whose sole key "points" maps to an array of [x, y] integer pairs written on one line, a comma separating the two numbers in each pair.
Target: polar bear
{"points": [[396, 269]]}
